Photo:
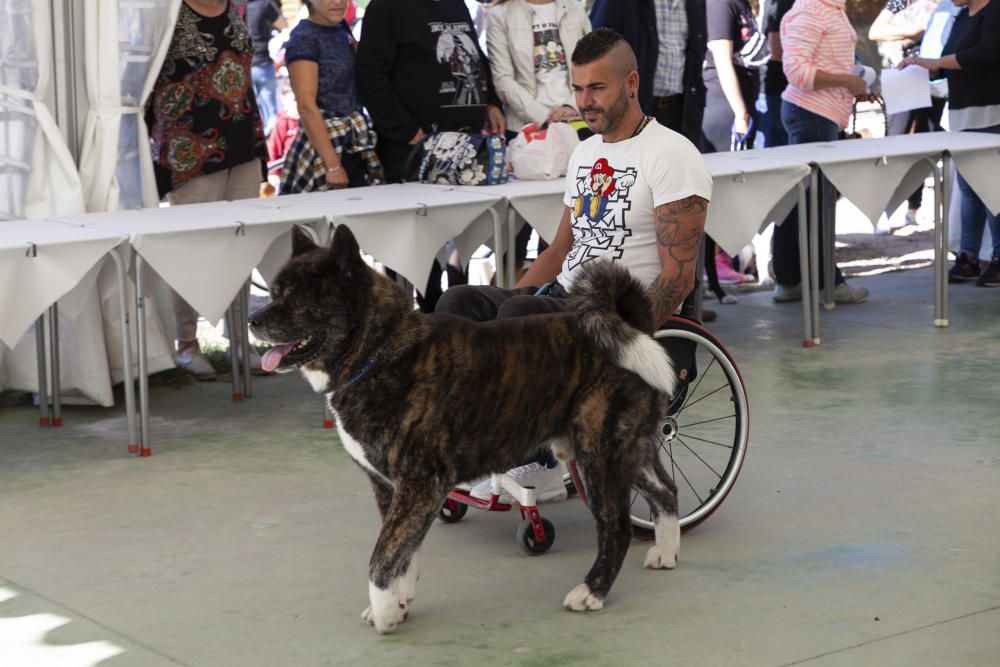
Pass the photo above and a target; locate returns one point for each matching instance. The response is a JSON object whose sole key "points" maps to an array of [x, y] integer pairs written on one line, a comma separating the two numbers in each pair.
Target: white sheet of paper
{"points": [[906, 89]]}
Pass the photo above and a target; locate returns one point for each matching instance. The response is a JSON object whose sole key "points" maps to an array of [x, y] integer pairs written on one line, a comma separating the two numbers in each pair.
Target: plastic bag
{"points": [[542, 155]]}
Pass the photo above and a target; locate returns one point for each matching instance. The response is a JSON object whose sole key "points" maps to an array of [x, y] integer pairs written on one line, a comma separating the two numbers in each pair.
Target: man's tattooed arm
{"points": [[678, 236]]}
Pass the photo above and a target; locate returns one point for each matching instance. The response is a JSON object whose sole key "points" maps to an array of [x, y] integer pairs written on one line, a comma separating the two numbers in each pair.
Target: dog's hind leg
{"points": [[660, 492], [608, 487], [392, 570]]}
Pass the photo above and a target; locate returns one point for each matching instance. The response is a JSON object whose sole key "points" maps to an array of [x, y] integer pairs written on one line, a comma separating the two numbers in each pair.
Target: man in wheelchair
{"points": [[636, 192]]}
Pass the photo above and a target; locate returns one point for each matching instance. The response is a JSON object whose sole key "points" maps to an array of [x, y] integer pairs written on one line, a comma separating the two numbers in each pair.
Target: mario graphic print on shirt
{"points": [[599, 213]]}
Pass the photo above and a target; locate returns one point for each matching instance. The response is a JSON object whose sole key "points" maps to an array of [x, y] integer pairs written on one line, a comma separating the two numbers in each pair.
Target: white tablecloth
{"points": [[204, 252], [404, 226], [63, 258], [70, 268], [749, 190]]}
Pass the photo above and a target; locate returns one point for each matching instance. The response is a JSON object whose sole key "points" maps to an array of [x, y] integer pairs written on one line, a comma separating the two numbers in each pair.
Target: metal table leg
{"points": [[128, 383], [942, 193], [511, 243], [54, 355], [140, 302], [804, 267], [699, 288], [43, 373], [327, 414], [499, 245], [244, 328], [814, 251], [234, 361], [828, 217]]}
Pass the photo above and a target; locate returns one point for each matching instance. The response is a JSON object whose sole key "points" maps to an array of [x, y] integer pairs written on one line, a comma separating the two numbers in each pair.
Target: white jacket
{"points": [[510, 43]]}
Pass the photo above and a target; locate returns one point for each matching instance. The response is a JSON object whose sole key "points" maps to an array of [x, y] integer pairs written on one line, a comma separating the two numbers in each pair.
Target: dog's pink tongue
{"points": [[273, 357]]}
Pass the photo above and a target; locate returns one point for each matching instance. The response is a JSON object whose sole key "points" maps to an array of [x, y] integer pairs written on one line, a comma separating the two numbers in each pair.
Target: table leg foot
{"points": [[133, 449], [941, 322], [327, 423], [57, 421], [237, 397], [44, 421], [146, 451]]}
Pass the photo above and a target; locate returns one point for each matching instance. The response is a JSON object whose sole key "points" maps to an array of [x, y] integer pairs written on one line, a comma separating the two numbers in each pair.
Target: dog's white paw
{"points": [[664, 555], [658, 558], [386, 611], [581, 599], [367, 617]]}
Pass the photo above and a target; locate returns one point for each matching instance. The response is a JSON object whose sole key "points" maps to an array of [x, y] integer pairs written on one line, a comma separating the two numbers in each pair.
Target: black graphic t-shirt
{"points": [[612, 191], [732, 20], [420, 66]]}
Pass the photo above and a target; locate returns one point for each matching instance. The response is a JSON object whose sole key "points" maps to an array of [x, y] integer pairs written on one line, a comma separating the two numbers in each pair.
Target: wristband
{"points": [[332, 169]]}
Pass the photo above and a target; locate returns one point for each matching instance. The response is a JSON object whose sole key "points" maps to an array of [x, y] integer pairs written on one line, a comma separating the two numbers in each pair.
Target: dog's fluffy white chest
{"points": [[356, 451], [318, 380]]}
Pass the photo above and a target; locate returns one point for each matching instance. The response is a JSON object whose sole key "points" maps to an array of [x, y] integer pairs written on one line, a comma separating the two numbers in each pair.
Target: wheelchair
{"points": [[702, 442]]}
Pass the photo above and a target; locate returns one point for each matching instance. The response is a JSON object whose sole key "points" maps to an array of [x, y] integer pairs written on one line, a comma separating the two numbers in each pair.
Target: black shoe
{"points": [[991, 276], [965, 269]]}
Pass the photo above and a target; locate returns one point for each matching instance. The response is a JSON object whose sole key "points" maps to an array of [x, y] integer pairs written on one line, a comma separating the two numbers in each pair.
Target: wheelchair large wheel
{"points": [[703, 439]]}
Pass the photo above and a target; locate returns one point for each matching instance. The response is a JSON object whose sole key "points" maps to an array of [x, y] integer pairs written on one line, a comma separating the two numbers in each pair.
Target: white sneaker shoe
{"points": [[548, 483], [193, 361]]}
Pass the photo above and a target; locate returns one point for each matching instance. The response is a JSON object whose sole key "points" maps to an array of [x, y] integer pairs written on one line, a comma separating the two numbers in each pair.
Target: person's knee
{"points": [[521, 305], [459, 300]]}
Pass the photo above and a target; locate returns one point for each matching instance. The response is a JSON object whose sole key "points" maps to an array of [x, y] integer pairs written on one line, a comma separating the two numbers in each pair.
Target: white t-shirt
{"points": [[612, 191], [551, 74]]}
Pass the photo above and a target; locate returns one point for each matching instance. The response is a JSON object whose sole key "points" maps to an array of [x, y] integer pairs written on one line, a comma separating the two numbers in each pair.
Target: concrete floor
{"points": [[864, 530]]}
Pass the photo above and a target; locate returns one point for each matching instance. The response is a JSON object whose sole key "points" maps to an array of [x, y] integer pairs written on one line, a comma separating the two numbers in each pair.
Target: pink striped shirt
{"points": [[816, 34]]}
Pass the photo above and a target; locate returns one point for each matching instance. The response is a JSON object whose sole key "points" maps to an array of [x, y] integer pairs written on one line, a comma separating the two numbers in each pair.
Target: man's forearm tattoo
{"points": [[678, 230]]}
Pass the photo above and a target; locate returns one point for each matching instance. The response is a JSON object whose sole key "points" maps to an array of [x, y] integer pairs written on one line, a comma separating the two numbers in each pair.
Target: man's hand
{"points": [[678, 237], [562, 113], [494, 119], [856, 85]]}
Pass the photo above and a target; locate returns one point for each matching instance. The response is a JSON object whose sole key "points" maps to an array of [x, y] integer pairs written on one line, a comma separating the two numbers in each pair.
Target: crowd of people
{"points": [[333, 104]]}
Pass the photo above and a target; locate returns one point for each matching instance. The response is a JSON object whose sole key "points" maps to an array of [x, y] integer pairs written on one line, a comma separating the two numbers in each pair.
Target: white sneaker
{"points": [[844, 293], [468, 486], [193, 361], [548, 483]]}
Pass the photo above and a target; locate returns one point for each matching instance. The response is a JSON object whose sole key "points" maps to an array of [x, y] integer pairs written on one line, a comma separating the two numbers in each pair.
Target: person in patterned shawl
{"points": [[205, 130]]}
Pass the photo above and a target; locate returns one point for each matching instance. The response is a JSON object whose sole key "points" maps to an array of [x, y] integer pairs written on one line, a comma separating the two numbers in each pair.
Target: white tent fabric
{"points": [[126, 42], [51, 184]]}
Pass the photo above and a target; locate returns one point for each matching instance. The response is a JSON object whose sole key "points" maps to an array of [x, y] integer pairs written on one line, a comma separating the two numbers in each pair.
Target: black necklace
{"points": [[641, 126]]}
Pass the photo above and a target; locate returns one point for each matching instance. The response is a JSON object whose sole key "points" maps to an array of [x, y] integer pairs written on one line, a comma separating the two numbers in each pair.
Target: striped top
{"points": [[816, 34]]}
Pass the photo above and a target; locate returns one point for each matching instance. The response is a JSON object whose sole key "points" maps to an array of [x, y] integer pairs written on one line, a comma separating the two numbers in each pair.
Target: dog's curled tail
{"points": [[616, 313]]}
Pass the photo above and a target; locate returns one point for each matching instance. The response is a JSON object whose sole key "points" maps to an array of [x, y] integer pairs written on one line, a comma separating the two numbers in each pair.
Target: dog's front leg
{"points": [[393, 567]]}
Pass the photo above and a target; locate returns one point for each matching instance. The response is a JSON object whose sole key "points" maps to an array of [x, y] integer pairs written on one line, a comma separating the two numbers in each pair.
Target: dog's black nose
{"points": [[252, 321]]}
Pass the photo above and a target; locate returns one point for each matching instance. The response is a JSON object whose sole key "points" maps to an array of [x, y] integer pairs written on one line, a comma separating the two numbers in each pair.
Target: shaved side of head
{"points": [[605, 42], [623, 57]]}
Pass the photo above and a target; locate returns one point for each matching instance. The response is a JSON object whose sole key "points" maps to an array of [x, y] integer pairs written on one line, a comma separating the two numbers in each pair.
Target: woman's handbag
{"points": [[852, 132], [459, 158]]}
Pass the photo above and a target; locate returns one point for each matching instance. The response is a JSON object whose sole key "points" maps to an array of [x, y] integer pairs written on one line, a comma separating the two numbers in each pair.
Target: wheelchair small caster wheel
{"points": [[526, 537], [452, 511]]}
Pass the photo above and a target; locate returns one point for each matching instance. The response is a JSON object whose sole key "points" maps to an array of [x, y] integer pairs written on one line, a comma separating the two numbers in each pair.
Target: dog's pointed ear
{"points": [[345, 255], [301, 242]]}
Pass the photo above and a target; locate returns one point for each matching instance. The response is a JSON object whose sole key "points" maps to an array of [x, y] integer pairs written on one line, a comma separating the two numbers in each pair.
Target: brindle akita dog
{"points": [[423, 402]]}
